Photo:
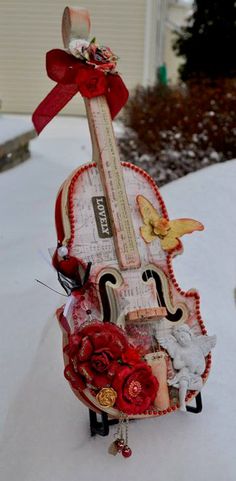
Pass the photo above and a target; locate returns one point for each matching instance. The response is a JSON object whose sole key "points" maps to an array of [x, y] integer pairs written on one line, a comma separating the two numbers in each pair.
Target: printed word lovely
{"points": [[102, 216]]}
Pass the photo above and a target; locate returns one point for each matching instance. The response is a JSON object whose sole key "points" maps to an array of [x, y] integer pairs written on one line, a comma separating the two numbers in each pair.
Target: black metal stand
{"points": [[198, 408], [102, 427]]}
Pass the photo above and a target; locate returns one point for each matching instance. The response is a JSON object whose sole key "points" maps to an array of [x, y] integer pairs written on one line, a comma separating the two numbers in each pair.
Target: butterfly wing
{"points": [[149, 215], [147, 233], [178, 228], [148, 212]]}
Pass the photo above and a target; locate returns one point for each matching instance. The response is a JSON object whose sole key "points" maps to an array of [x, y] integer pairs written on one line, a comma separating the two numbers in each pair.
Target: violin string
{"points": [[155, 329], [51, 289], [150, 324]]}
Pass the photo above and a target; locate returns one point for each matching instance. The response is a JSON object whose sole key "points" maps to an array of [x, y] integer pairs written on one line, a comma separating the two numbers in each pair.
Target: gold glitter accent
{"points": [[107, 397], [134, 388]]}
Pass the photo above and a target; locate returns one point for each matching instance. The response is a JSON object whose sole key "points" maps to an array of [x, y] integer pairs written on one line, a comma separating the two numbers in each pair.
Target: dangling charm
{"points": [[113, 449], [126, 451], [120, 445]]}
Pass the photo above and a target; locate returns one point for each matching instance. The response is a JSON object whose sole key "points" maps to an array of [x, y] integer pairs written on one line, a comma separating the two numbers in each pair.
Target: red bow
{"points": [[74, 76]]}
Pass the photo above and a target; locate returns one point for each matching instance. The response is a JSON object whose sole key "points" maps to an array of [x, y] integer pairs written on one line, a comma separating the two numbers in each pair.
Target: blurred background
{"points": [[175, 57], [139, 31]]}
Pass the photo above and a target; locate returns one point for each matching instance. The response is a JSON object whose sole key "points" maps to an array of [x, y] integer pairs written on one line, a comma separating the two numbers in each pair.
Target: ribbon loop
{"points": [[73, 75]]}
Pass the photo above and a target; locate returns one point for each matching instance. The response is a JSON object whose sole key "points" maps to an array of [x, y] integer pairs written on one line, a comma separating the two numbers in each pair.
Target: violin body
{"points": [[83, 225]]}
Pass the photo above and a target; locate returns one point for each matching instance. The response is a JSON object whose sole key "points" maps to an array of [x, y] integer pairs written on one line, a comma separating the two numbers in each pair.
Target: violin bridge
{"points": [[146, 315]]}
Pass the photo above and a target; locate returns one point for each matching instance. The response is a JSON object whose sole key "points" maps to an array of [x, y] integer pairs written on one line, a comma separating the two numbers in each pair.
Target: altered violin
{"points": [[134, 343]]}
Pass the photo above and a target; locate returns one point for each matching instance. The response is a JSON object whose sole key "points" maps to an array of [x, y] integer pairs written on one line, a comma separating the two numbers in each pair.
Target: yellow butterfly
{"points": [[167, 231]]}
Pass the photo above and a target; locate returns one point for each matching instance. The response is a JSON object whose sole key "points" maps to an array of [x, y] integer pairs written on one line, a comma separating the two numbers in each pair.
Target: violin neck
{"points": [[106, 156]]}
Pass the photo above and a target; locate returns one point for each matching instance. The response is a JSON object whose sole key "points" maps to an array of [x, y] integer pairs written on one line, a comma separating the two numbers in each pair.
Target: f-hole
{"points": [[171, 316], [104, 296]]}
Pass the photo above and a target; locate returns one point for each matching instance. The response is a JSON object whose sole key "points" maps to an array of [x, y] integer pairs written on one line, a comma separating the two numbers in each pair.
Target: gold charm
{"points": [[168, 231], [107, 397], [113, 449]]}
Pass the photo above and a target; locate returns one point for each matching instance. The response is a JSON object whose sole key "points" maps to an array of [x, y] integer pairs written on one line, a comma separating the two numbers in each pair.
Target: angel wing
{"points": [[170, 344], [205, 343], [178, 228]]}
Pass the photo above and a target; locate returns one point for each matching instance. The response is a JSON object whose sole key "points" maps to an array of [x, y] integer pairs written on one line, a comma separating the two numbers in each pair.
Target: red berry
{"points": [[126, 451], [120, 445]]}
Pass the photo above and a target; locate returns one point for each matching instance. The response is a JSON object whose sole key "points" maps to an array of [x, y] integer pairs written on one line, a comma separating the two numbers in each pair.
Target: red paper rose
{"points": [[93, 354], [136, 388], [131, 356], [92, 82]]}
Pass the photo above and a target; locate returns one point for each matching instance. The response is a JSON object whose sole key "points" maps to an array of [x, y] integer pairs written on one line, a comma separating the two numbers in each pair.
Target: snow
{"points": [[11, 127], [45, 435]]}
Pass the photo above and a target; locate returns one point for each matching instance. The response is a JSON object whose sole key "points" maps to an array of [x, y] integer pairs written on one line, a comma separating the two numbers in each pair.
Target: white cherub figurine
{"points": [[188, 353]]}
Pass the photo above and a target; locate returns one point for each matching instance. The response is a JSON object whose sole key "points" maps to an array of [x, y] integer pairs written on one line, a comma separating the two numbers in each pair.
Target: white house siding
{"points": [[29, 28], [177, 14]]}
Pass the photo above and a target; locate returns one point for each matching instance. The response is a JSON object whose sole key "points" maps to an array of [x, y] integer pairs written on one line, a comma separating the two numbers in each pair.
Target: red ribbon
{"points": [[72, 76]]}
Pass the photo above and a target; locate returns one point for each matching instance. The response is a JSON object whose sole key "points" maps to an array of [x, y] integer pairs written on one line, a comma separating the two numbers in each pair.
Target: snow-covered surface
{"points": [[45, 428], [12, 126]]}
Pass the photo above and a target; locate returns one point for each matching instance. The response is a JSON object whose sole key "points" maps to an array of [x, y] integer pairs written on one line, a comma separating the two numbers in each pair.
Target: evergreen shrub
{"points": [[199, 118]]}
